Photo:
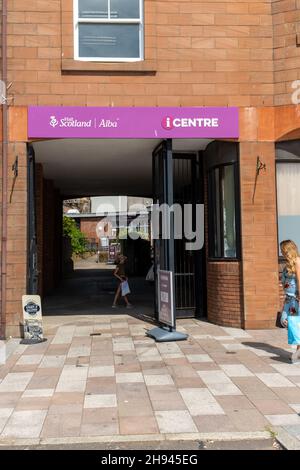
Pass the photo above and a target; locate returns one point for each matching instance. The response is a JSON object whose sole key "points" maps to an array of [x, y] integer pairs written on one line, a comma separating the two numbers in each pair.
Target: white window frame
{"points": [[77, 21]]}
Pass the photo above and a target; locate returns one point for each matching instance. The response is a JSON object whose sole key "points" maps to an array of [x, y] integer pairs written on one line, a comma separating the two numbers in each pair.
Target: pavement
{"points": [[176, 446], [99, 379]]}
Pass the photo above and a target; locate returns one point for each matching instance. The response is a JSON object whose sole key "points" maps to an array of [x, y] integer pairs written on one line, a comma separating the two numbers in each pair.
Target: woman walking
{"points": [[291, 282], [120, 274]]}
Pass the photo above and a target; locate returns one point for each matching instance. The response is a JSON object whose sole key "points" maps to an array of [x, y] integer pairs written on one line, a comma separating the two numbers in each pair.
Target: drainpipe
{"points": [[4, 174]]}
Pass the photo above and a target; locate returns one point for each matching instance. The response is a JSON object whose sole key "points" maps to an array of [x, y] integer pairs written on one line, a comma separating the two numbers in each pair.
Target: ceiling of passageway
{"points": [[85, 167]]}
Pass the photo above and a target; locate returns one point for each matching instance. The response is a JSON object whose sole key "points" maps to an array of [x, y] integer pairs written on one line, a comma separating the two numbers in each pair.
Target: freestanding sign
{"points": [[166, 315], [32, 315], [166, 301]]}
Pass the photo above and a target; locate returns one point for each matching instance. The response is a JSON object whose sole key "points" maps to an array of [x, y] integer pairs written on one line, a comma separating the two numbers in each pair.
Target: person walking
{"points": [[120, 274], [290, 317]]}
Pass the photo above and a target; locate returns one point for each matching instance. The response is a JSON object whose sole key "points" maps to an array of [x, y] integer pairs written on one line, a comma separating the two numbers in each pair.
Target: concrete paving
{"points": [[176, 446], [100, 379]]}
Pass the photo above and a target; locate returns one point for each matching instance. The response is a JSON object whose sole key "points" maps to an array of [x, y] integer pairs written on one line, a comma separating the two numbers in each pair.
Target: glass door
{"points": [[162, 165]]}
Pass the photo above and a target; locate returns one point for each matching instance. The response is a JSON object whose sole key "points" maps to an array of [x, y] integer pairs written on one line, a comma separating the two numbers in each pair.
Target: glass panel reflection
{"points": [[109, 40], [125, 9], [93, 8]]}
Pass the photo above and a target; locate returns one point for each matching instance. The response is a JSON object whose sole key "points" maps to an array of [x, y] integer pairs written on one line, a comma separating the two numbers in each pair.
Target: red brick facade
{"points": [[224, 293], [89, 228], [197, 53]]}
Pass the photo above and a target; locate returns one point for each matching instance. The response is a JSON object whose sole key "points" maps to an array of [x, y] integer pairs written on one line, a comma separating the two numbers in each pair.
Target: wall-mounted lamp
{"points": [[259, 166], [15, 166], [15, 169]]}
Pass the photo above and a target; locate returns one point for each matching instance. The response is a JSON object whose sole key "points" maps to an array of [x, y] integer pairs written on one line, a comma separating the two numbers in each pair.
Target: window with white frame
{"points": [[288, 201], [108, 30]]}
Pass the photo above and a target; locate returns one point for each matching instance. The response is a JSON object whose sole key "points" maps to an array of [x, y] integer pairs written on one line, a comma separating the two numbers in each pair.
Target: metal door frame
{"points": [[32, 268], [164, 152]]}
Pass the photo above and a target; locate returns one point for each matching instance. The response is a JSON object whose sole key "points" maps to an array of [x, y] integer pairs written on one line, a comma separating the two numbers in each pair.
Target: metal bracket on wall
{"points": [[259, 166], [15, 169]]}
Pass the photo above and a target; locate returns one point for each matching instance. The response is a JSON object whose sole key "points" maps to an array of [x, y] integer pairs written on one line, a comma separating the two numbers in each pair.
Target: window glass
{"points": [[93, 9], [288, 202], [125, 9], [217, 222], [222, 212], [229, 212], [109, 40]]}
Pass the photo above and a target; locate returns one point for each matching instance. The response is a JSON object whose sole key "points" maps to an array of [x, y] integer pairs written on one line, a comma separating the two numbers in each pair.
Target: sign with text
{"points": [[132, 123], [166, 301], [32, 315]]}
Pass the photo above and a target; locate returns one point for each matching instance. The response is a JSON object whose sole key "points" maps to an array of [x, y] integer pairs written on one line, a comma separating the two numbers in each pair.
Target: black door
{"points": [[162, 166], [189, 263], [178, 180], [32, 269]]}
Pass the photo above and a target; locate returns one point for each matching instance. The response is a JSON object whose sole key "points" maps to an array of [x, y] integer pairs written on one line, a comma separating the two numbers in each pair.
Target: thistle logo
{"points": [[53, 121], [167, 123]]}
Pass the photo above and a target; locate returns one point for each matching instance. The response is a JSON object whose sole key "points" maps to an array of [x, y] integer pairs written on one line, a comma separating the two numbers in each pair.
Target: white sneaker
{"points": [[295, 357]]}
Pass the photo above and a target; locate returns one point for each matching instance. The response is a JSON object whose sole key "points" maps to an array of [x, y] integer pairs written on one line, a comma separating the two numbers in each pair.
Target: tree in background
{"points": [[77, 238]]}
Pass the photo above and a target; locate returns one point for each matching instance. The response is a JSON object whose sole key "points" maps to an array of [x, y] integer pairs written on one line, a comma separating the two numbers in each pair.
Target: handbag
{"points": [[150, 274], [278, 320], [125, 288], [294, 329]]}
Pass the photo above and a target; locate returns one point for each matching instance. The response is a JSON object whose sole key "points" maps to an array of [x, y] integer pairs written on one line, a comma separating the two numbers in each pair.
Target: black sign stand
{"points": [[166, 332]]}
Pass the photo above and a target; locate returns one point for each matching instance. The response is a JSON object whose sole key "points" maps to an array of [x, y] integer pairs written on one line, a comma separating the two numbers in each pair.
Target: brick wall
{"points": [[202, 52], [17, 239], [259, 235], [286, 24], [89, 226], [224, 306]]}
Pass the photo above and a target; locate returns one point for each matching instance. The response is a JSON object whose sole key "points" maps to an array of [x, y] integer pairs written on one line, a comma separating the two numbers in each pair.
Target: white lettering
{"points": [[194, 122], [112, 460], [71, 122], [296, 94], [108, 123]]}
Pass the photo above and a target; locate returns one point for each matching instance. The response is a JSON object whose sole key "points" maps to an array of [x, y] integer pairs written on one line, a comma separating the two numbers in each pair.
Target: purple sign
{"points": [[132, 123]]}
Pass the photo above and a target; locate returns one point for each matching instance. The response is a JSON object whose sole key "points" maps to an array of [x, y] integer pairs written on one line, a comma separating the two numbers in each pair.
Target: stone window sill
{"points": [[145, 66]]}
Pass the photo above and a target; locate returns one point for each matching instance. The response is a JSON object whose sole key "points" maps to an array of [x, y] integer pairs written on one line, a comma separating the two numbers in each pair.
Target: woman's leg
{"points": [[128, 304], [117, 295]]}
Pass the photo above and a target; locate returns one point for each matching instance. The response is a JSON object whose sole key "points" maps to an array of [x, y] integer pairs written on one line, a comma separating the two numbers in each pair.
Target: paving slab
{"points": [[122, 385]]}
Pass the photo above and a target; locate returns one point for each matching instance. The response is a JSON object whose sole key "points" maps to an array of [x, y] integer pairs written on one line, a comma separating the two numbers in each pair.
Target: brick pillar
{"points": [[16, 239], [259, 235]]}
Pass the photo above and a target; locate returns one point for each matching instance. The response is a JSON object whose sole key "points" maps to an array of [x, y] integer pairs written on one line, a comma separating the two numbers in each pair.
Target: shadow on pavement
{"points": [[91, 292], [280, 355]]}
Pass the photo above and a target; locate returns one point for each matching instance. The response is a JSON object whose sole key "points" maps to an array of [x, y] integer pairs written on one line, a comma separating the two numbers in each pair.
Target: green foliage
{"points": [[78, 241], [133, 234]]}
